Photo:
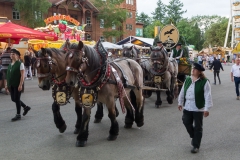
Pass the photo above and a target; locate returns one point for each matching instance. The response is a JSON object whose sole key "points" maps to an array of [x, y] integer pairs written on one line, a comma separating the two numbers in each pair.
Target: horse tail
{"points": [[133, 99]]}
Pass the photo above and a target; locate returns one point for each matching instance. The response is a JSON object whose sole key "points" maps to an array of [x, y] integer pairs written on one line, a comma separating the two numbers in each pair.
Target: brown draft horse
{"points": [[50, 66], [85, 61]]}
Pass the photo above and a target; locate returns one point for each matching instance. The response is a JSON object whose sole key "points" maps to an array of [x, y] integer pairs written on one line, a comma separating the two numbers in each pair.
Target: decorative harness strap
{"points": [[120, 90]]}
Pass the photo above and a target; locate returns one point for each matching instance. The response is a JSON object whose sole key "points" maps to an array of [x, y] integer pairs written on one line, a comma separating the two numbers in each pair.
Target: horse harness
{"points": [[60, 90], [88, 90]]}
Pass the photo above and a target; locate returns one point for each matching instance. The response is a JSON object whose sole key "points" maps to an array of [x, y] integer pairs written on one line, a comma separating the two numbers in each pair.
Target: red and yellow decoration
{"points": [[61, 17]]}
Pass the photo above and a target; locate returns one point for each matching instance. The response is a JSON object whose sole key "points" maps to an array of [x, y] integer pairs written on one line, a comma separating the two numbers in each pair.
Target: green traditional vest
{"points": [[198, 91], [176, 53], [14, 74]]}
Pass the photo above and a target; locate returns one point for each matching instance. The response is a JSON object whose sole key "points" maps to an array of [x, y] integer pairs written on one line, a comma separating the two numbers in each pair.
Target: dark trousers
{"points": [[15, 96], [237, 81], [195, 131], [216, 73]]}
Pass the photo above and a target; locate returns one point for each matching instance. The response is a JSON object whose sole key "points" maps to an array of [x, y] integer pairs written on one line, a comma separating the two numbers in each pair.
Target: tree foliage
{"points": [[174, 11], [204, 22], [216, 33], [112, 15], [190, 33], [160, 11], [32, 11], [144, 18], [148, 32]]}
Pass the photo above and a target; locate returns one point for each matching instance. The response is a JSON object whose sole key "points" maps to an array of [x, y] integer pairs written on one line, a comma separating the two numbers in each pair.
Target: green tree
{"points": [[112, 15], [144, 18], [160, 11], [148, 32], [174, 11], [190, 33], [216, 33], [32, 11], [204, 22]]}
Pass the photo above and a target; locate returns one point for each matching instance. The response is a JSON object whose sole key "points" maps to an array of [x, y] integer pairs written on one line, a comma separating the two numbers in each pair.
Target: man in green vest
{"points": [[196, 99], [177, 53], [15, 78]]}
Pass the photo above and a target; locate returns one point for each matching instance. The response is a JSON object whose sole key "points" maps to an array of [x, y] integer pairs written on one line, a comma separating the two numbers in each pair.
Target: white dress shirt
{"points": [[235, 70], [171, 56], [190, 103]]}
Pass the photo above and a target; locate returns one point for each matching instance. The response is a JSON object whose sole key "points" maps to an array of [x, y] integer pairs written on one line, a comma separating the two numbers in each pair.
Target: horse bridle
{"points": [[83, 59], [49, 62], [159, 60]]}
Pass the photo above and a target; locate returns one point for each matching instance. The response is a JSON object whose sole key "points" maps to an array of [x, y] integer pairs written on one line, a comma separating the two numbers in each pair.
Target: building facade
{"points": [[83, 11]]}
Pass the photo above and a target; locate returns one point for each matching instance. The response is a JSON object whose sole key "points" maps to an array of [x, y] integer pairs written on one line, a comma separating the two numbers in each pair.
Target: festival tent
{"points": [[109, 45], [147, 42], [130, 45], [12, 33]]}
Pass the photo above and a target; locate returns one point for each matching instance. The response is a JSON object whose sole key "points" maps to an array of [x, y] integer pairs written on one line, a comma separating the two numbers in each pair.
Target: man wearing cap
{"points": [[195, 98], [15, 79], [177, 53], [160, 45]]}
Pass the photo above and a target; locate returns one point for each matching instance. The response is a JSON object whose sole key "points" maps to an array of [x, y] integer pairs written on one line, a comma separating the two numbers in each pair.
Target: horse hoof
{"points": [[170, 100], [112, 137], [157, 106], [81, 143], [127, 126], [63, 128], [97, 120], [76, 131]]}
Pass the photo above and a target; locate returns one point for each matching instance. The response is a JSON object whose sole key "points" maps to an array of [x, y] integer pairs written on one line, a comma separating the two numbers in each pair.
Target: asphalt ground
{"points": [[163, 136]]}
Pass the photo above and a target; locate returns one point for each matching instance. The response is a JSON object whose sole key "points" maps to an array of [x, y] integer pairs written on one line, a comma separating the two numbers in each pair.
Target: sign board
{"points": [[139, 32], [169, 36]]}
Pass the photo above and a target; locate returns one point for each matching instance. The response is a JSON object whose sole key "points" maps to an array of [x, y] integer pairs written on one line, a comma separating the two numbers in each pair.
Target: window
{"points": [[129, 2], [129, 14], [128, 27], [102, 39], [113, 26], [16, 14], [88, 37], [101, 23], [114, 40], [38, 15], [88, 21]]}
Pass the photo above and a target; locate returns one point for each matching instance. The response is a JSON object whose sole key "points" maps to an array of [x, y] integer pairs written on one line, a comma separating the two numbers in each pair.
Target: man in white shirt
{"points": [[235, 75]]}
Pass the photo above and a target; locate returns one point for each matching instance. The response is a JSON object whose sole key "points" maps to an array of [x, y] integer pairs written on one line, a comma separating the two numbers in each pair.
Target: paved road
{"points": [[163, 137]]}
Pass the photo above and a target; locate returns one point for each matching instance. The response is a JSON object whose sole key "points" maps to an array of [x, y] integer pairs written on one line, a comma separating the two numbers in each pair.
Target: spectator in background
{"points": [[1, 76], [216, 65], [235, 76], [33, 60], [219, 57], [199, 59], [27, 64], [5, 61]]}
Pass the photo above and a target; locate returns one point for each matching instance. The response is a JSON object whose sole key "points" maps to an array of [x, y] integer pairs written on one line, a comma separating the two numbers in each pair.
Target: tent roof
{"points": [[138, 41], [109, 45]]}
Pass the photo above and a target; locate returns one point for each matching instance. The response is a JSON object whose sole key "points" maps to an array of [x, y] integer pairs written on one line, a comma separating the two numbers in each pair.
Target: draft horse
{"points": [[89, 67], [50, 66], [163, 74]]}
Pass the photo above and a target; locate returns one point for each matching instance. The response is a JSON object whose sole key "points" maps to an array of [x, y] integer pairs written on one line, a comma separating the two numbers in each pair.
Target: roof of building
{"points": [[88, 3], [137, 40]]}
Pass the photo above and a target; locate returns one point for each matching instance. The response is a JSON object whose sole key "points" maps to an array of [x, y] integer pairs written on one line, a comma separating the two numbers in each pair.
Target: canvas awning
{"points": [[147, 42]]}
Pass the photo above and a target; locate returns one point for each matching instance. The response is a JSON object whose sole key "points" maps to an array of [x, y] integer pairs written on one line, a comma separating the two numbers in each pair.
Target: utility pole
{"points": [[230, 22]]}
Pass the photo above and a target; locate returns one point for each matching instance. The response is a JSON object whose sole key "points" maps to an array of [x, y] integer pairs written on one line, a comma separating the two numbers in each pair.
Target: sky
{"points": [[193, 7]]}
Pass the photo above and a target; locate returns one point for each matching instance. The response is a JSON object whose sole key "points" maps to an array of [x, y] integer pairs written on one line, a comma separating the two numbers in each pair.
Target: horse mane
{"points": [[50, 50]]}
